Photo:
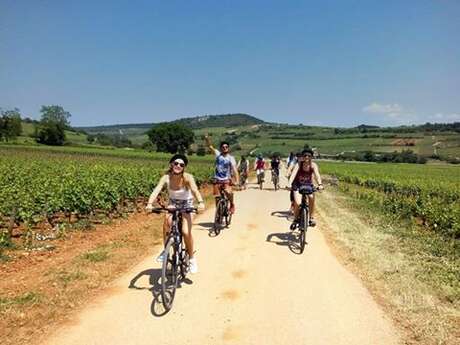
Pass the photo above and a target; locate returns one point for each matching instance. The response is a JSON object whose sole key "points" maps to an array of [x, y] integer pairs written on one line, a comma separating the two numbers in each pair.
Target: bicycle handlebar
{"points": [[314, 189], [174, 209]]}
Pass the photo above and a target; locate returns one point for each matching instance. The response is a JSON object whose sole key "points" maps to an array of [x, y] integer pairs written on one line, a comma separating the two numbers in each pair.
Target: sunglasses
{"points": [[225, 146], [179, 164], [307, 156]]}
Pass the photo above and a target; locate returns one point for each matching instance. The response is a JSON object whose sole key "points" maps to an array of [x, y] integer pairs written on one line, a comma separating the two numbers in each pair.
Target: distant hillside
{"points": [[205, 121], [227, 120]]}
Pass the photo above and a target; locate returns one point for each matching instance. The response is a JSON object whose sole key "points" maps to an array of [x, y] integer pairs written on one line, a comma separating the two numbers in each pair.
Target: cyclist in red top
{"points": [[303, 174], [259, 167]]}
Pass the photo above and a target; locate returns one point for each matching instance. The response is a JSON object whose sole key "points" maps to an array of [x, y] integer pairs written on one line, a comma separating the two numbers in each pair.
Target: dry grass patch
{"points": [[412, 273]]}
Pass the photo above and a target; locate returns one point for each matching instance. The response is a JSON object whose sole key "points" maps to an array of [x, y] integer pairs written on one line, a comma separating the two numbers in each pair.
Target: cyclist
{"points": [[303, 174], [259, 167], [225, 170], [296, 159], [275, 165], [290, 159], [181, 189], [243, 170]]}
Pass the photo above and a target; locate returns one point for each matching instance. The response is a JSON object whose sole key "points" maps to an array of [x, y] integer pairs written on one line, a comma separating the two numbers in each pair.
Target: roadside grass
{"points": [[412, 272], [96, 255], [27, 298], [65, 277]]}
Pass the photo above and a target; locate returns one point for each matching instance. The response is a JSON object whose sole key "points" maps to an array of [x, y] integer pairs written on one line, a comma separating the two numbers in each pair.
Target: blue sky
{"points": [[338, 63]]}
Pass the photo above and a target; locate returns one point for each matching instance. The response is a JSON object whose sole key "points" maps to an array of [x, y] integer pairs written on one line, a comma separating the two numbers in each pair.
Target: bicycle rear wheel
{"points": [[303, 225], [275, 181], [169, 274]]}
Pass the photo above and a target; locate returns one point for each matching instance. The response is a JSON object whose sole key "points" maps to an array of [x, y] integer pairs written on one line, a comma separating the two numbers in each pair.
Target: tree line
{"points": [[50, 130]]}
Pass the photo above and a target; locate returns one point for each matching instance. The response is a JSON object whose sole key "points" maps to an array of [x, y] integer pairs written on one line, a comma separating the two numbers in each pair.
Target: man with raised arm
{"points": [[225, 170]]}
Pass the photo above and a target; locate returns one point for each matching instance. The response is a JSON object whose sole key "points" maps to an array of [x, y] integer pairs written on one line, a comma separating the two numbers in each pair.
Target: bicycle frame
{"points": [[222, 211]]}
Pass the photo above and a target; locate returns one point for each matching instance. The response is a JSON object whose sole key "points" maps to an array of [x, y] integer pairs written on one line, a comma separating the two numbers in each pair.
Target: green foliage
{"points": [[10, 124], [429, 194], [52, 126], [171, 137], [36, 184]]}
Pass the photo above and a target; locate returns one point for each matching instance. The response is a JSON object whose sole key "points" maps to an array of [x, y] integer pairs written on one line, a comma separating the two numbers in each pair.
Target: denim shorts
{"points": [[177, 203]]}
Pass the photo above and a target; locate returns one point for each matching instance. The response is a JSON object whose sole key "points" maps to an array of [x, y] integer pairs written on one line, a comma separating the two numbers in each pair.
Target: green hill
{"points": [[226, 120], [197, 122]]}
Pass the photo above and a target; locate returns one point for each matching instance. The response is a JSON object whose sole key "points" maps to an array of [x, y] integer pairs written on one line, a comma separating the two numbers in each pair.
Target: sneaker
{"points": [[161, 257], [193, 266], [312, 222], [232, 209]]}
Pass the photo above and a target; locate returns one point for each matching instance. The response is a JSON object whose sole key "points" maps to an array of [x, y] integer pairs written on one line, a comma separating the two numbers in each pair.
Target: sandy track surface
{"points": [[251, 289]]}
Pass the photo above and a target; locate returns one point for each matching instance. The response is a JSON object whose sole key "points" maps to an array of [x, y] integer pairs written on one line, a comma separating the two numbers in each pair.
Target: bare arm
{"points": [[209, 144], [157, 190], [235, 172], [317, 175], [194, 188]]}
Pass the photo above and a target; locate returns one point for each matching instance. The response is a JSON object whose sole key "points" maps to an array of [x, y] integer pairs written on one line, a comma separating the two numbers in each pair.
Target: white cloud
{"points": [[389, 109], [395, 113], [445, 117]]}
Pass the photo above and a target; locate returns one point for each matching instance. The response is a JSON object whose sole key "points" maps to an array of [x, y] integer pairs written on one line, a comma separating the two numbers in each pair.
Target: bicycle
{"points": [[302, 222], [222, 212], [275, 179], [243, 178], [176, 259], [260, 178]]}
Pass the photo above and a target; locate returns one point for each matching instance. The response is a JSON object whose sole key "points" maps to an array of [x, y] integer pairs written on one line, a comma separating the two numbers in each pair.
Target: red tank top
{"points": [[304, 177], [260, 164]]}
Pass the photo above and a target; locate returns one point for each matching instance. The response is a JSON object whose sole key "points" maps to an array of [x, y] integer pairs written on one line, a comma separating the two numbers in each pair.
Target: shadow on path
{"points": [[154, 274], [283, 214], [288, 239]]}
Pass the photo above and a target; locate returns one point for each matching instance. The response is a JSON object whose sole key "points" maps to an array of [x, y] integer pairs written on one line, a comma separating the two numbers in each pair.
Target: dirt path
{"points": [[251, 289]]}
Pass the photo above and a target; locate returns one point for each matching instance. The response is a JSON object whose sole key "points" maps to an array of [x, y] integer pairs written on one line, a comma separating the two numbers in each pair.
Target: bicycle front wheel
{"points": [[228, 215], [303, 229], [169, 274], [218, 217]]}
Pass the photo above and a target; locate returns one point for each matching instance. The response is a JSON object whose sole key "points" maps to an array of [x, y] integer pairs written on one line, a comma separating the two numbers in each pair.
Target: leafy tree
{"points": [[171, 137], [10, 124], [369, 156], [91, 138], [201, 150], [52, 126]]}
